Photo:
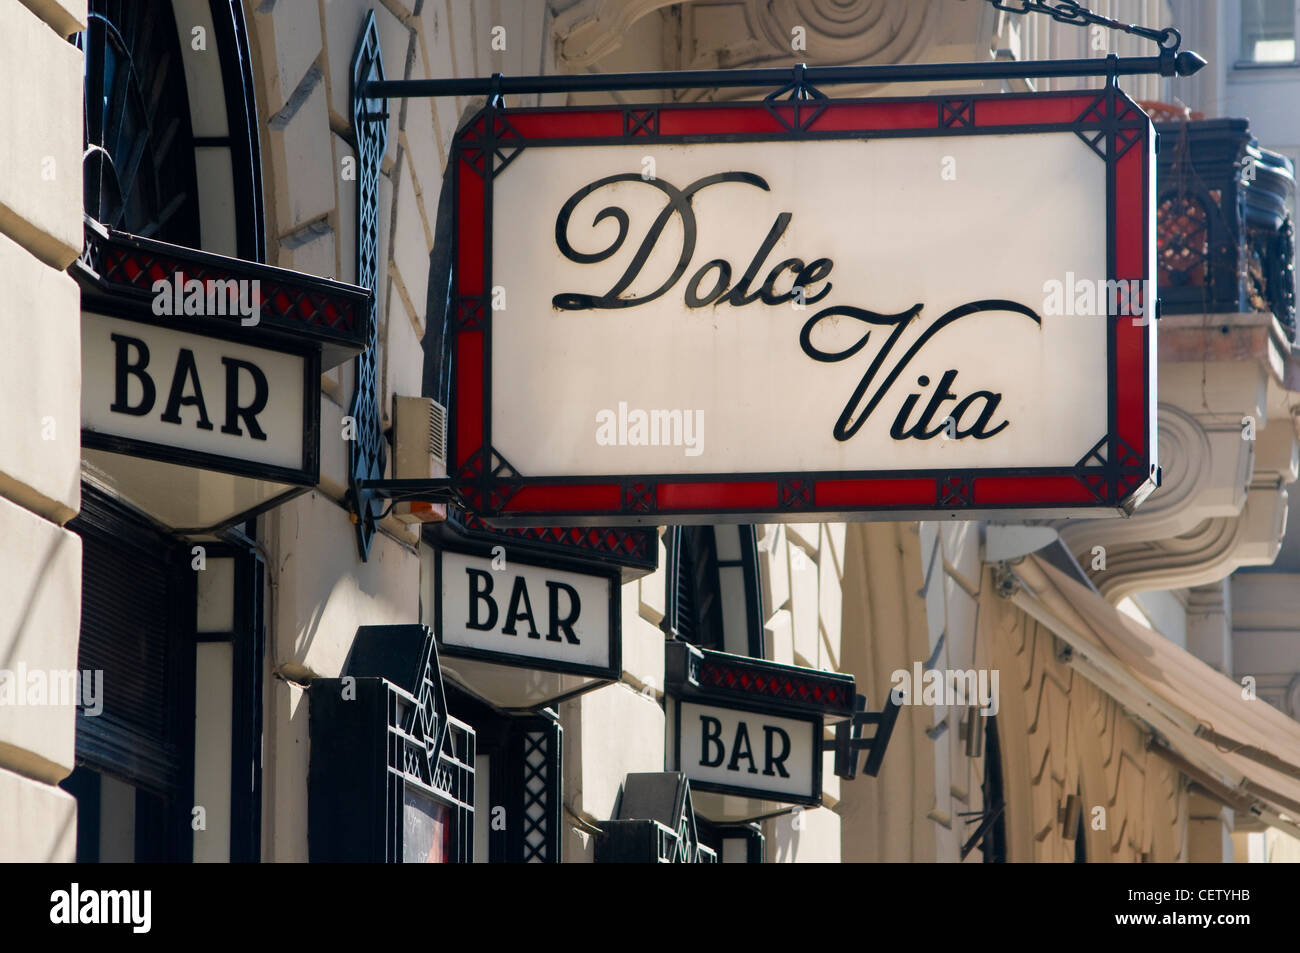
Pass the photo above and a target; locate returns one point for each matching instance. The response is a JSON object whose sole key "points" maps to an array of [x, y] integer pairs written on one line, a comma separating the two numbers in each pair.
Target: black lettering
{"points": [[769, 295], [250, 411], [186, 371], [711, 734], [775, 760], [846, 426], [564, 625], [906, 410], [919, 431], [855, 414], [514, 614], [809, 284], [977, 431], [814, 271], [693, 299], [738, 297], [484, 595], [679, 203], [124, 368], [738, 752]]}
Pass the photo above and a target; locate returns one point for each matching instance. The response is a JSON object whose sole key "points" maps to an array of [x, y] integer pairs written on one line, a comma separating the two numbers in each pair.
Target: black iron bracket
{"points": [[366, 454], [849, 742], [801, 78], [441, 490], [986, 818]]}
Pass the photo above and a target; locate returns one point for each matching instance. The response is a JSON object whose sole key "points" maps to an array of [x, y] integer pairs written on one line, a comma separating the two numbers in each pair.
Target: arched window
{"points": [[138, 164], [713, 597], [171, 145]]}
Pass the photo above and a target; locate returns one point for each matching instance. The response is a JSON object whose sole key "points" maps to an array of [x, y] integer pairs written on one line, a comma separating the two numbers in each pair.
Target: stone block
{"points": [[40, 428], [40, 192], [38, 824], [40, 625]]}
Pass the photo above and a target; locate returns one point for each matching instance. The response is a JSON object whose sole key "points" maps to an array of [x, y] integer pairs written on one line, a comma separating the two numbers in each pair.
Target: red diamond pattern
{"points": [[134, 268], [597, 539], [792, 687]]}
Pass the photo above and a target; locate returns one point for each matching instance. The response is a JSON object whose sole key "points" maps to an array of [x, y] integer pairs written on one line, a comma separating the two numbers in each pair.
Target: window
{"points": [[167, 157], [994, 842], [1080, 845], [134, 760], [1268, 31], [733, 843], [139, 173], [518, 777], [713, 590]]}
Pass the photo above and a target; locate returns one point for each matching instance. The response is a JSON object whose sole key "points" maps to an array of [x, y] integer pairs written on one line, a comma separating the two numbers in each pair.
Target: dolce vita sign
{"points": [[766, 310]]}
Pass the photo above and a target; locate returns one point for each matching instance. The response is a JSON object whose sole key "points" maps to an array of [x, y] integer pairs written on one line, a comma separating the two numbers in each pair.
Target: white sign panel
{"points": [[763, 385], [892, 301], [203, 400], [744, 752], [497, 608]]}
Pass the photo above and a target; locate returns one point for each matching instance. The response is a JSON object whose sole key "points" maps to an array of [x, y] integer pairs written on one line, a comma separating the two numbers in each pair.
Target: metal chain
{"points": [[1069, 11]]}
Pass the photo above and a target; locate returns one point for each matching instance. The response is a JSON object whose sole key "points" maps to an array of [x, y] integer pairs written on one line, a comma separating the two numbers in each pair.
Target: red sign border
{"points": [[1115, 475]]}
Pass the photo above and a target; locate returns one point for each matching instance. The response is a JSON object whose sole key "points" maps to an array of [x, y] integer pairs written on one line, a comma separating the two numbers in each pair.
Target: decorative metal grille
{"points": [[536, 794], [523, 780], [1224, 229], [442, 768], [1182, 241], [655, 824], [370, 124], [388, 715]]}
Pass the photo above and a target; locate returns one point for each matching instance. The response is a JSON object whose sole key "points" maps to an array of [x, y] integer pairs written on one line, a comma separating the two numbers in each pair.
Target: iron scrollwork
{"points": [[366, 457]]}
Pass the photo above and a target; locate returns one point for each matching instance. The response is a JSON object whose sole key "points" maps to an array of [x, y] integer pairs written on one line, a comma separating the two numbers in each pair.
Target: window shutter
{"points": [[132, 626]]}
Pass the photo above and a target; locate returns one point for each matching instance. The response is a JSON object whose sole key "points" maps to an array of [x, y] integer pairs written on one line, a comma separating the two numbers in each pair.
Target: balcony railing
{"points": [[1224, 231]]}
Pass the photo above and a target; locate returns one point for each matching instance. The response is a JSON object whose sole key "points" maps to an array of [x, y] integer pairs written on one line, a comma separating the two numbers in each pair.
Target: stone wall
{"points": [[40, 429]]}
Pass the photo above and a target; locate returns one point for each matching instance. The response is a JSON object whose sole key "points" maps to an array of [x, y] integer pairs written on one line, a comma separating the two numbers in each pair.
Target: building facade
{"points": [[263, 653]]}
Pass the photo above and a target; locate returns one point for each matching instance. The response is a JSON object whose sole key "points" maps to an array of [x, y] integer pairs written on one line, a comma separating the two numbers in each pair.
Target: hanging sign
{"points": [[206, 401], [749, 727], [766, 310], [749, 753], [495, 615], [201, 377]]}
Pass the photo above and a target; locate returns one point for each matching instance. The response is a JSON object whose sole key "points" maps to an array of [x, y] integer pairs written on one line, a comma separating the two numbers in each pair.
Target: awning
{"points": [[1244, 752]]}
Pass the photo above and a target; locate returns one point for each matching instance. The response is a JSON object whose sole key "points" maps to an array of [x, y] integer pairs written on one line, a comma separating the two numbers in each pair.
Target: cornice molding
{"points": [[1209, 553], [747, 33], [1206, 470], [591, 29], [1207, 519]]}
